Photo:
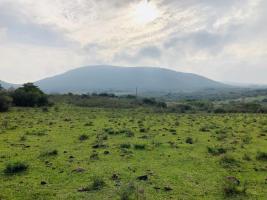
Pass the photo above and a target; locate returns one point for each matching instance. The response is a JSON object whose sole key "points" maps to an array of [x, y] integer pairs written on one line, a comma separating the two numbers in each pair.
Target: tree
{"points": [[5, 100], [29, 96]]}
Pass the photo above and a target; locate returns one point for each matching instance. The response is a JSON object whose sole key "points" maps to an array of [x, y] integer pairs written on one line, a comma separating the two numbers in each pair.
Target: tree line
{"points": [[28, 95]]}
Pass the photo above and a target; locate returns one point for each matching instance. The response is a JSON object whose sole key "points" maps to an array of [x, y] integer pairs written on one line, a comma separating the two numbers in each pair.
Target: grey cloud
{"points": [[20, 30], [149, 52], [209, 37]]}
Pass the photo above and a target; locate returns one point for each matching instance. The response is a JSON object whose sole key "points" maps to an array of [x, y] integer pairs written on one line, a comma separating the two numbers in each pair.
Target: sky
{"points": [[224, 40]]}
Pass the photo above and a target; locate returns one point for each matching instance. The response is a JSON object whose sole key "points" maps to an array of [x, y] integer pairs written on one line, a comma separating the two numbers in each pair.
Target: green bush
{"points": [[262, 156], [216, 150], [15, 168], [47, 153], [83, 137], [127, 191], [125, 146], [5, 102], [139, 146], [29, 96], [189, 140]]}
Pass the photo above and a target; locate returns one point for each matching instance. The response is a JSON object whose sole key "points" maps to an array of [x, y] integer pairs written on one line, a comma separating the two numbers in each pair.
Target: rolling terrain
{"points": [[124, 80], [69, 152]]}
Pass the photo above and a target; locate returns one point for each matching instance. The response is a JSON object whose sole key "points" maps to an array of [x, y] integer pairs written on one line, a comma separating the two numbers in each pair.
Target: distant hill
{"points": [[125, 79], [8, 85]]}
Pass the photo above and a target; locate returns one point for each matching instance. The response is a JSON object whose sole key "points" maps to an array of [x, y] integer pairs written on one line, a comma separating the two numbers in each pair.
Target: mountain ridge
{"points": [[104, 78], [126, 79]]}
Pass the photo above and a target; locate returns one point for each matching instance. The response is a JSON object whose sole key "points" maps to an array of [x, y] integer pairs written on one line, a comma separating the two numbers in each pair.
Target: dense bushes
{"points": [[240, 107], [5, 102], [195, 106], [29, 96]]}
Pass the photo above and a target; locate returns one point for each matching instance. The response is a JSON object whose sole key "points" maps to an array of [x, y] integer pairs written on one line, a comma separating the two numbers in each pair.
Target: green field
{"points": [[88, 153]]}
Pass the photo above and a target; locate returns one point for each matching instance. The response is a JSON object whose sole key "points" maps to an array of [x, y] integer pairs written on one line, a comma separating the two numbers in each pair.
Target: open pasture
{"points": [[68, 152]]}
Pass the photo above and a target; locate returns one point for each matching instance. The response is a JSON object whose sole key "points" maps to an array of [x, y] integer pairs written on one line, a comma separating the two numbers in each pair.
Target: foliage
{"points": [[15, 168], [5, 101], [29, 96]]}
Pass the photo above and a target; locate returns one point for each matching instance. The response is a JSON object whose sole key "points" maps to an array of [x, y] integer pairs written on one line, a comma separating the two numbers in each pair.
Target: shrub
{"points": [[189, 140], [45, 109], [83, 137], [143, 130], [15, 168], [125, 146], [232, 187], [97, 184], [37, 133], [128, 133], [216, 150], [219, 111], [229, 161], [261, 156], [5, 102], [149, 101], [127, 191], [53, 152], [29, 96], [140, 146]]}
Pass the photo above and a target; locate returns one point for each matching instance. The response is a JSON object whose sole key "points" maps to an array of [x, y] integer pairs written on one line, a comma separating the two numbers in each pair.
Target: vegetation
{"points": [[73, 152], [104, 146], [5, 102], [29, 96], [15, 168]]}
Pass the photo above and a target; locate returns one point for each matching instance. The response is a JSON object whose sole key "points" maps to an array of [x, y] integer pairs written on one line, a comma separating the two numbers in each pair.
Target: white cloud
{"points": [[213, 38]]}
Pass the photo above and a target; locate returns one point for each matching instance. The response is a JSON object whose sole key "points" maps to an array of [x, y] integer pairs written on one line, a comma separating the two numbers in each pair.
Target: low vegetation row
{"points": [[30, 95]]}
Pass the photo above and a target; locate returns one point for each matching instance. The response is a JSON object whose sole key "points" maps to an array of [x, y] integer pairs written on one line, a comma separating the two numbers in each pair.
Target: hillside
{"points": [[123, 79], [7, 85]]}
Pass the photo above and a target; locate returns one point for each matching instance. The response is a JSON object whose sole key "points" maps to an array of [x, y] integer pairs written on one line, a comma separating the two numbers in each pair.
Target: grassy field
{"points": [[68, 152]]}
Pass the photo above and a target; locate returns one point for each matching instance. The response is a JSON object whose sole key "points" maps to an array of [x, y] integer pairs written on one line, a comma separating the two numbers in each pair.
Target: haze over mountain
{"points": [[125, 79], [8, 85]]}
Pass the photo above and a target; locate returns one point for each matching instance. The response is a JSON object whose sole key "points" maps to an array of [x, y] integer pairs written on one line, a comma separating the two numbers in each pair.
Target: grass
{"points": [[131, 143]]}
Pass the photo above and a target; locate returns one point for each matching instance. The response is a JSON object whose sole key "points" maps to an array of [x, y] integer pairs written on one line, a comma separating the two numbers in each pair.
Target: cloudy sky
{"points": [[222, 39]]}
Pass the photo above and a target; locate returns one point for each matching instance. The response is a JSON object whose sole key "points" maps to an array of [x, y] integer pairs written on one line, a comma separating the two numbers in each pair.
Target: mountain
{"points": [[125, 79], [8, 85]]}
